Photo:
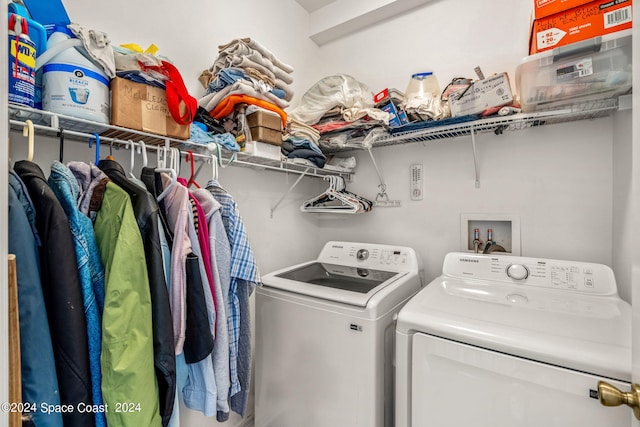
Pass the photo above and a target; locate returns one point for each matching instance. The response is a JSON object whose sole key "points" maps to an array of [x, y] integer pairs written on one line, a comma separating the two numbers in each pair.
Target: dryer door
{"points": [[455, 384]]}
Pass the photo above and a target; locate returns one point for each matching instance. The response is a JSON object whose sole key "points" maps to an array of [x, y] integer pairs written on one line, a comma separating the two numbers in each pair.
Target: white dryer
{"points": [[324, 337], [504, 341]]}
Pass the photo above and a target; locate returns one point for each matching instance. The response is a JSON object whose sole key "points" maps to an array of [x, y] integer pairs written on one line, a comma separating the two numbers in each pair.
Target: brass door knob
{"points": [[611, 396]]}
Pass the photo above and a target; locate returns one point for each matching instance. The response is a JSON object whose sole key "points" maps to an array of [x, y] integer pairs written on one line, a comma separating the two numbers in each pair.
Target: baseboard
{"points": [[247, 422]]}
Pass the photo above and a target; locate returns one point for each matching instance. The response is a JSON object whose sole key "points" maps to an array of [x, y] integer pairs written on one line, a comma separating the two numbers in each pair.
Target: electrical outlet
{"points": [[416, 182]]}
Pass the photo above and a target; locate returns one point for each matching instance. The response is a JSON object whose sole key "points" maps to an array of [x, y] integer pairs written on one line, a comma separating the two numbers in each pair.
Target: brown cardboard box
{"points": [[264, 134], [265, 127], [143, 107]]}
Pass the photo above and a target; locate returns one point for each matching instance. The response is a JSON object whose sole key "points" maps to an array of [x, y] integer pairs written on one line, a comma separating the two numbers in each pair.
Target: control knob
{"points": [[362, 254], [517, 271]]}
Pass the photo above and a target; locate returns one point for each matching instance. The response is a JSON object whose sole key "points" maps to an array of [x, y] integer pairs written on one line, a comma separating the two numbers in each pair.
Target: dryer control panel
{"points": [[367, 255], [587, 278]]}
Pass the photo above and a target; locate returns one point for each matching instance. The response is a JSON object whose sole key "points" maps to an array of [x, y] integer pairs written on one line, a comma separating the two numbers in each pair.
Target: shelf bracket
{"points": [[382, 199], [288, 191], [475, 157]]}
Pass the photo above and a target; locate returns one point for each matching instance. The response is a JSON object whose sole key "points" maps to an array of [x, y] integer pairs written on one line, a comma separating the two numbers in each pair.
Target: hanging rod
{"points": [[241, 159]]}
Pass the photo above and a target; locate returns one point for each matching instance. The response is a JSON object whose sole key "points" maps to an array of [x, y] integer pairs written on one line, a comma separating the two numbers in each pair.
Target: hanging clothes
{"points": [[39, 380], [199, 391], [90, 270], [62, 295], [127, 341], [146, 212], [220, 266], [244, 274]]}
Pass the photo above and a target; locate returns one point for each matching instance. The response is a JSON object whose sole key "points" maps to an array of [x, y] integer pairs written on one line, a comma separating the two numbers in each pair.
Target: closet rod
{"points": [[281, 167]]}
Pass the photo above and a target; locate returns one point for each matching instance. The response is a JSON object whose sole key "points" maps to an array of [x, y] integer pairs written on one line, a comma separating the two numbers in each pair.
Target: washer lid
{"points": [[581, 332], [341, 283]]}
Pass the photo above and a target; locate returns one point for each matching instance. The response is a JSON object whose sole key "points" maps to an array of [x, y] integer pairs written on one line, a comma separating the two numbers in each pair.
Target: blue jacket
{"points": [[90, 270], [39, 380]]}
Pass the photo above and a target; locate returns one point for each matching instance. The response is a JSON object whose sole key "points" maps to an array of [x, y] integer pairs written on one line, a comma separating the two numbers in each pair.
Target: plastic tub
{"points": [[578, 74]]}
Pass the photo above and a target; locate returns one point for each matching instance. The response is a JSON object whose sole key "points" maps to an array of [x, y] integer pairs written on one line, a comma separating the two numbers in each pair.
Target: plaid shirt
{"points": [[243, 268]]}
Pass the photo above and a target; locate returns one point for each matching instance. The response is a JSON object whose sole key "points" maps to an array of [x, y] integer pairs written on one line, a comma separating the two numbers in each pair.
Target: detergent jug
{"points": [[73, 84], [22, 62]]}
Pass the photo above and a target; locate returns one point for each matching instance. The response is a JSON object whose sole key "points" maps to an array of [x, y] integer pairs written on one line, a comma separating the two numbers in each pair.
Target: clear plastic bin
{"points": [[577, 74]]}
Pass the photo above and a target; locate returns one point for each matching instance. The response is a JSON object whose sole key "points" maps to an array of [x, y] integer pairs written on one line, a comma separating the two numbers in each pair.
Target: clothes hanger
{"points": [[171, 170], [96, 138], [332, 200], [61, 149], [27, 131], [192, 179], [214, 167], [132, 158], [110, 156]]}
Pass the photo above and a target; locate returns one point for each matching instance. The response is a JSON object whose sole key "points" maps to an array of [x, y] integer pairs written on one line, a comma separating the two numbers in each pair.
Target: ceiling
{"points": [[313, 5]]}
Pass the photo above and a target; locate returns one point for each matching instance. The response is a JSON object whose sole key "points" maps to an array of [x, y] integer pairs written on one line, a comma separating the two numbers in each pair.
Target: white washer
{"points": [[324, 337], [504, 341]]}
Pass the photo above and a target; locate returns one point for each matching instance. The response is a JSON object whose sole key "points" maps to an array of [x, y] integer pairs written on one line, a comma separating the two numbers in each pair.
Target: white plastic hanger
{"points": [[333, 199], [27, 131], [172, 170]]}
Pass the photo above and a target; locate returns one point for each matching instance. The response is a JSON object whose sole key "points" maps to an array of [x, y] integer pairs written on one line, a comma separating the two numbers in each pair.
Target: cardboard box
{"points": [[262, 149], [494, 91], [542, 8], [265, 118], [593, 19], [265, 126], [143, 107], [266, 135]]}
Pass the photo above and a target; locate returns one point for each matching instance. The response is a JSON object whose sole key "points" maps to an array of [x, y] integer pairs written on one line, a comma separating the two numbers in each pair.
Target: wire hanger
{"points": [[110, 156], [132, 158], [27, 131]]}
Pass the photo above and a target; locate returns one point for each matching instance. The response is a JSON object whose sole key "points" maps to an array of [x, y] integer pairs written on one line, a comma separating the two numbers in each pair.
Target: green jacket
{"points": [[128, 379]]}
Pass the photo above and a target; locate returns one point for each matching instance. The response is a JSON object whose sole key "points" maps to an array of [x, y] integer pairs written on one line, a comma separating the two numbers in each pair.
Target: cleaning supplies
{"points": [[22, 62], [73, 84]]}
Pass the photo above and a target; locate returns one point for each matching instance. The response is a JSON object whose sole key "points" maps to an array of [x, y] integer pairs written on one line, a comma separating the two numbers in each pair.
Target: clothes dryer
{"points": [[504, 341], [324, 336]]}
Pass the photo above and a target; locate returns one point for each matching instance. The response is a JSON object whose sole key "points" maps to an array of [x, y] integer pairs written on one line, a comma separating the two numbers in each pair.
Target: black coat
{"points": [[147, 216], [62, 294]]}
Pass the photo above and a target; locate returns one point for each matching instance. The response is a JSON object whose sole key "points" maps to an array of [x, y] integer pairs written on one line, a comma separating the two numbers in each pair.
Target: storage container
{"points": [[265, 126], [581, 73], [595, 18], [262, 149], [143, 107], [72, 84]]}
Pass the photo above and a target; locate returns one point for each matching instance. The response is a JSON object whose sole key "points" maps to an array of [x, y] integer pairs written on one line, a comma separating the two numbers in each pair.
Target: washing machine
{"points": [[325, 336], [505, 341]]}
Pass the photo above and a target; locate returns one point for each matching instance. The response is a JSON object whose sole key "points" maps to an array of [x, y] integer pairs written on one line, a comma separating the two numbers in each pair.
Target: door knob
{"points": [[611, 396]]}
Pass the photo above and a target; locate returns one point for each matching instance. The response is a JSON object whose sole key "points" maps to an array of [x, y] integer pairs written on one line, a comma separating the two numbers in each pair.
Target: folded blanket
{"points": [[209, 101], [227, 61], [228, 104], [247, 42], [293, 152]]}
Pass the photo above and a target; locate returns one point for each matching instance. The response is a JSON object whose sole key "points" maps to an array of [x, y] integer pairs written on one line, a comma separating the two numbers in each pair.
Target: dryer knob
{"points": [[517, 271]]}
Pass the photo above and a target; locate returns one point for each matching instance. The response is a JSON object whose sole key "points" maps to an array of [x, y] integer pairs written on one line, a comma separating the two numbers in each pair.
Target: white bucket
{"points": [[73, 85]]}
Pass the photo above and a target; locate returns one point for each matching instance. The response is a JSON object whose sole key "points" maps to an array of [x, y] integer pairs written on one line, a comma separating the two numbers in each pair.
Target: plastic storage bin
{"points": [[578, 74]]}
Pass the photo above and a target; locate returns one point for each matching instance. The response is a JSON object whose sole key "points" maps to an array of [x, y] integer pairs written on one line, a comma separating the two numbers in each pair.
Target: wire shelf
{"points": [[497, 125], [49, 124]]}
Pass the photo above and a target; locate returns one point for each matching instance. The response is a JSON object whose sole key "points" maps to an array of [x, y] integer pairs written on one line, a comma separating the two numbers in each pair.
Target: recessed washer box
{"points": [[505, 230]]}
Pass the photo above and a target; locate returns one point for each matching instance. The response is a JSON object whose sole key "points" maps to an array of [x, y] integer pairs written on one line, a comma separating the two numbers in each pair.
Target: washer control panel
{"points": [[367, 255], [588, 278]]}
